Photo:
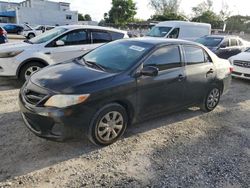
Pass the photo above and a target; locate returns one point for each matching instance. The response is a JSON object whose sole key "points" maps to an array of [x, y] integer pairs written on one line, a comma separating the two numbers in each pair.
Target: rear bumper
{"points": [[53, 123], [226, 84]]}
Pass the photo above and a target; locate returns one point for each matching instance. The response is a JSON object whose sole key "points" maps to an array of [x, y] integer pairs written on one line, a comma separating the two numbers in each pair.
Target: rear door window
{"points": [[234, 42], [116, 36], [100, 37], [165, 58], [194, 55]]}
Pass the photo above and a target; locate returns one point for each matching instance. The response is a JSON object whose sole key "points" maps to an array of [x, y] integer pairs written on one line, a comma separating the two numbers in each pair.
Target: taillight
{"points": [[2, 32]]}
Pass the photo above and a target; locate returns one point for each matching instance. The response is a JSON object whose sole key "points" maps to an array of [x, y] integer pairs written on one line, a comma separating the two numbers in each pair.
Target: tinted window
{"points": [[159, 31], [240, 43], [165, 58], [116, 36], [100, 37], [234, 42], [194, 55], [225, 43], [75, 38], [210, 41], [174, 34], [118, 55]]}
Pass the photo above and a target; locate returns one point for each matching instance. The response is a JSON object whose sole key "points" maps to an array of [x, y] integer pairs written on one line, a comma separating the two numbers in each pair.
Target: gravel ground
{"points": [[185, 149]]}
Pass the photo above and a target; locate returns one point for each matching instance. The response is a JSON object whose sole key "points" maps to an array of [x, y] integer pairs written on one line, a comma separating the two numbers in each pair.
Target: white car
{"points": [[241, 65], [30, 32], [61, 44]]}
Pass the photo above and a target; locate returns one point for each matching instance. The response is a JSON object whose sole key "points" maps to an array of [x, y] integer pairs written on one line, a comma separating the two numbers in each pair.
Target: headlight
{"points": [[62, 101], [10, 54]]}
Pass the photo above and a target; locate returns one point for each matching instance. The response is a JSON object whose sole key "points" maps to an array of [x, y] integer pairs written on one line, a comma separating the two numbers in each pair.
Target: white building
{"points": [[38, 12]]}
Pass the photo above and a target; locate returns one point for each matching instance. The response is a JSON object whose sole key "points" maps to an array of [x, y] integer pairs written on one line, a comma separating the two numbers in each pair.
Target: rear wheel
{"points": [[108, 125], [29, 69], [212, 99]]}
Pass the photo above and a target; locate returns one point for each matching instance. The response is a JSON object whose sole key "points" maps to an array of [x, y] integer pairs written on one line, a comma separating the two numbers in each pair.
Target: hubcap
{"points": [[31, 70], [213, 98], [110, 126]]}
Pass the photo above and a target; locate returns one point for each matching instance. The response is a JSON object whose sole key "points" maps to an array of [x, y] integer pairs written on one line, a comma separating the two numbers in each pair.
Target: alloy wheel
{"points": [[31, 70], [213, 98], [110, 126]]}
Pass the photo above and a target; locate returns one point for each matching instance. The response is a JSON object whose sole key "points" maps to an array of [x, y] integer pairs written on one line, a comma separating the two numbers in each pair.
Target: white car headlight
{"points": [[10, 54], [62, 101]]}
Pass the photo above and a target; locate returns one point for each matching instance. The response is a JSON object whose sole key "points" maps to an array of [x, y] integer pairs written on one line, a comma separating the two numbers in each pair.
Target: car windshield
{"points": [[159, 31], [119, 55], [47, 36], [210, 41]]}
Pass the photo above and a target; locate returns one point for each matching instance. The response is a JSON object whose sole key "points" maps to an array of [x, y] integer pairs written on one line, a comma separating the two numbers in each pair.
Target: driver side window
{"points": [[174, 34], [75, 38]]}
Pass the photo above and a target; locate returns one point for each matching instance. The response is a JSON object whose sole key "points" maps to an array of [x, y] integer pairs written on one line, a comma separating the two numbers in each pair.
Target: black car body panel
{"points": [[143, 97], [226, 47]]}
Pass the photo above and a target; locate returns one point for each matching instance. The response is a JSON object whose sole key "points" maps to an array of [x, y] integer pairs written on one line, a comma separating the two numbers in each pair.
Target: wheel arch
{"points": [[29, 61]]}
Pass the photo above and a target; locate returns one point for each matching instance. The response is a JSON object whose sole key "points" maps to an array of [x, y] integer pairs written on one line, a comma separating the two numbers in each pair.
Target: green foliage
{"points": [[205, 6], [238, 23], [121, 13], [167, 17], [86, 17], [209, 17]]}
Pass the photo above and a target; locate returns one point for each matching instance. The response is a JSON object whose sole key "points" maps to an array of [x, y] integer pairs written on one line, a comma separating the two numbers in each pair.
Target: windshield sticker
{"points": [[137, 48]]}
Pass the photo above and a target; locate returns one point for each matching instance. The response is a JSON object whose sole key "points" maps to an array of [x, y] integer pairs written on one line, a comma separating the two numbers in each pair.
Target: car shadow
{"points": [[9, 84]]}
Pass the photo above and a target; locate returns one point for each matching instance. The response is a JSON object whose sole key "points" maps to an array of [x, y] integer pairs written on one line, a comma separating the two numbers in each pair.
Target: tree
{"points": [[87, 17], [165, 6], [121, 12], [80, 17], [209, 17], [205, 6], [168, 16]]}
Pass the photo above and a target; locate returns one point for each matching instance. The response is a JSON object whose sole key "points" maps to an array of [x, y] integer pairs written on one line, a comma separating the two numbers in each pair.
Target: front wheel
{"points": [[29, 69], [108, 125], [212, 100]]}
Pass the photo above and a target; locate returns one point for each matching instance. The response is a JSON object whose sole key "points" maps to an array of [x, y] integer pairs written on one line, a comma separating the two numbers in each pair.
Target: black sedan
{"points": [[223, 46], [121, 83]]}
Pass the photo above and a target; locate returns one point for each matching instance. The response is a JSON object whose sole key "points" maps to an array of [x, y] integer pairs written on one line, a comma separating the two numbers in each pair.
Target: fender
{"points": [[29, 60]]}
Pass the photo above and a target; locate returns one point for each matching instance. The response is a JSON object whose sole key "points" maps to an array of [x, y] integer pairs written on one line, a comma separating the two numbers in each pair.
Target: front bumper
{"points": [[8, 67], [53, 123], [241, 72]]}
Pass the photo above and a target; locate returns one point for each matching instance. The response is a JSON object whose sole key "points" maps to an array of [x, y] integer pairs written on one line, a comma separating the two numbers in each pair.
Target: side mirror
{"points": [[60, 43], [149, 71]]}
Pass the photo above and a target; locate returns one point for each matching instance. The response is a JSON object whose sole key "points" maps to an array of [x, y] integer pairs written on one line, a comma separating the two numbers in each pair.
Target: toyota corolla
{"points": [[121, 83]]}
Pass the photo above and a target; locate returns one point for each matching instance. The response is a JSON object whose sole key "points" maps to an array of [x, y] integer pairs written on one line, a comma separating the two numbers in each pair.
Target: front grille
{"points": [[237, 73], [245, 64], [33, 97]]}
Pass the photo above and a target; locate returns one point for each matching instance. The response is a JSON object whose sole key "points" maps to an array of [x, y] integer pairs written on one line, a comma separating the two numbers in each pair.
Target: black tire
{"points": [[23, 70], [31, 35], [95, 129], [211, 100]]}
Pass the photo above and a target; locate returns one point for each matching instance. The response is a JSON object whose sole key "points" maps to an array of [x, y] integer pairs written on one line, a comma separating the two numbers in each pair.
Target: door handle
{"points": [[181, 77], [47, 53]]}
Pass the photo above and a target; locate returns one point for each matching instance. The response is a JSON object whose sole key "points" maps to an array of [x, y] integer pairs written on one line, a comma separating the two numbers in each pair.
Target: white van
{"points": [[180, 30]]}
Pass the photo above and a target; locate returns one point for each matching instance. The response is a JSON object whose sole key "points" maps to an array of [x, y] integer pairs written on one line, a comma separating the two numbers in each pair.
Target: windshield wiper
{"points": [[91, 63]]}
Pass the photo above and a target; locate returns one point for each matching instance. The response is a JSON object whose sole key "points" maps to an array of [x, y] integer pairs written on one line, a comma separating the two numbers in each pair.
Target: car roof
{"points": [[72, 27], [222, 36], [161, 41]]}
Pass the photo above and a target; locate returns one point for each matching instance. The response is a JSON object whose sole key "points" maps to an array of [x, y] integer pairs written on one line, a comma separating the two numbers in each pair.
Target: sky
{"points": [[96, 8]]}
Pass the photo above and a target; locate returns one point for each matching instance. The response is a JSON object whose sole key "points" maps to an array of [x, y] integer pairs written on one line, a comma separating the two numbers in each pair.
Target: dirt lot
{"points": [[185, 149]]}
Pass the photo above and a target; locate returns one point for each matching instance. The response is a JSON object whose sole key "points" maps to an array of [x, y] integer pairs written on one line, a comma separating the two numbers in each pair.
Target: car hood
{"points": [[14, 46], [244, 56], [71, 78]]}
